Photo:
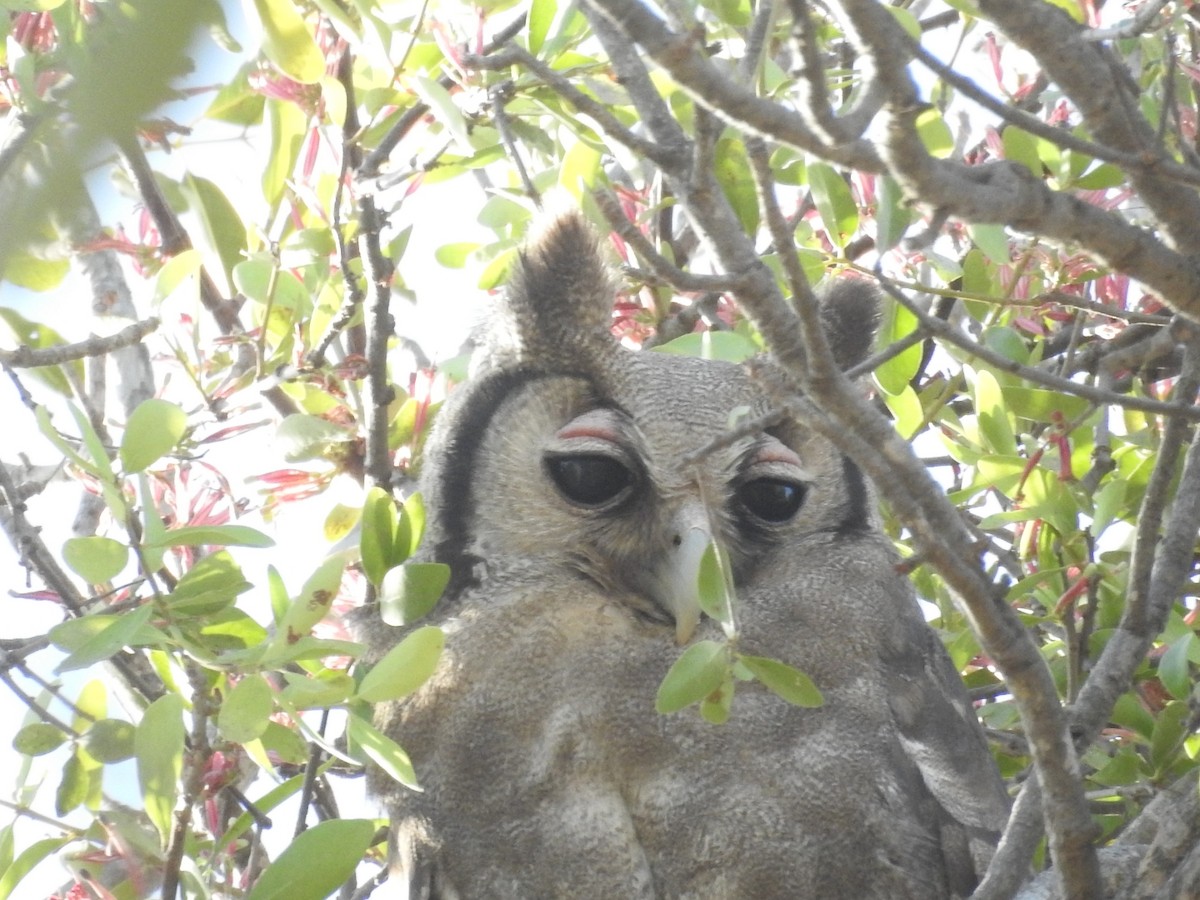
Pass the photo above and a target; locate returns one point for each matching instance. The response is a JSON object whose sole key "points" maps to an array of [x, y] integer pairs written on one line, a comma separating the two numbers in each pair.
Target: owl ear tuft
{"points": [[850, 315], [559, 297]]}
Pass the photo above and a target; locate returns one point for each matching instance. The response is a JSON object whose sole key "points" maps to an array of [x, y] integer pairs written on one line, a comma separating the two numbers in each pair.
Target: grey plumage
{"points": [[558, 496]]}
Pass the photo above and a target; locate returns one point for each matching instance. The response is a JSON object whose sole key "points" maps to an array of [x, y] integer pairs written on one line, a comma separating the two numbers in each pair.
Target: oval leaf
{"points": [[788, 682], [29, 858], [288, 43], [405, 668], [377, 540], [316, 862], [96, 559], [383, 751], [695, 675], [246, 710], [1173, 669], [712, 588], [110, 740], [313, 602], [834, 202], [116, 633], [38, 738], [153, 430], [158, 744], [216, 535], [410, 591]]}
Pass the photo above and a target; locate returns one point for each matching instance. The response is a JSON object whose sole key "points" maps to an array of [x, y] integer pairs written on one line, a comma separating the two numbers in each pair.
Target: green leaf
{"points": [[246, 710], [1124, 768], [288, 125], [454, 256], [34, 272], [713, 589], [219, 219], [117, 633], [28, 860], [110, 740], [158, 745], [1129, 712], [716, 707], [907, 21], [91, 704], [153, 528], [1042, 405], [733, 171], [414, 523], [895, 374], [906, 410], [993, 416], [288, 43], [378, 537], [541, 17], [76, 787], [1021, 147], [1103, 176], [728, 346], [383, 751], [302, 437], [992, 239], [312, 604], [174, 271], [834, 202], [215, 535], [38, 336], [787, 681], [96, 559], [935, 134], [411, 590], [1173, 668], [31, 5], [893, 215], [153, 430], [444, 109], [1170, 728], [317, 862], [208, 587], [330, 688], [98, 453], [580, 166], [405, 667], [38, 739], [698, 672]]}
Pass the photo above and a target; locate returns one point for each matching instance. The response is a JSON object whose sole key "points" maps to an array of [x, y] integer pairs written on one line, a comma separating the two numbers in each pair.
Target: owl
{"points": [[573, 487]]}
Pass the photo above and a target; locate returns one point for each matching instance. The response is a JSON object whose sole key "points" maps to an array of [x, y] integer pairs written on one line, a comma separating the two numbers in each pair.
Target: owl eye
{"points": [[772, 499], [589, 479]]}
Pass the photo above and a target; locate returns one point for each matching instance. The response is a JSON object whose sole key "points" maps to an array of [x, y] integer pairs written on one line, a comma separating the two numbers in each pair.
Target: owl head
{"points": [[567, 455]]}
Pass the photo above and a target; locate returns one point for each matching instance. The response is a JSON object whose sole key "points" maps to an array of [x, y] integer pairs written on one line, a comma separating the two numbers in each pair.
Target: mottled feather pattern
{"points": [[556, 479]]}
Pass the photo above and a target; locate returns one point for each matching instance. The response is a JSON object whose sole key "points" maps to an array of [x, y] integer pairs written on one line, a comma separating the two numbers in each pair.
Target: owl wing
{"points": [[940, 733]]}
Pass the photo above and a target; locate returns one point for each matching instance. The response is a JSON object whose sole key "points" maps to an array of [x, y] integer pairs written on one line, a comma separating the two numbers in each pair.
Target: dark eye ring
{"points": [[589, 479], [773, 500]]}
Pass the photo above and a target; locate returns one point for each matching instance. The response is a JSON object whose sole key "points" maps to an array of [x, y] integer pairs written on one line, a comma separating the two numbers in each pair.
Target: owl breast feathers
{"points": [[573, 487]]}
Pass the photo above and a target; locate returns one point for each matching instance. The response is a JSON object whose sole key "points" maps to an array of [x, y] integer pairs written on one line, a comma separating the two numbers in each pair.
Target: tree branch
{"points": [[27, 357]]}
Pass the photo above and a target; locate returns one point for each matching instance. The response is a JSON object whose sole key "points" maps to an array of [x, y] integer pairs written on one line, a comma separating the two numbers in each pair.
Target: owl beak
{"points": [[682, 577]]}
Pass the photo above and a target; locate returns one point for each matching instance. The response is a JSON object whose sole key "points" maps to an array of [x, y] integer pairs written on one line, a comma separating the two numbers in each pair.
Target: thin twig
{"points": [[953, 335]]}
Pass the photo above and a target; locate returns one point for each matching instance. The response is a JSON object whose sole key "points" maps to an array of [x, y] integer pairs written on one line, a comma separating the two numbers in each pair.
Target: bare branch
{"points": [[1007, 192], [28, 357], [682, 56], [1101, 88]]}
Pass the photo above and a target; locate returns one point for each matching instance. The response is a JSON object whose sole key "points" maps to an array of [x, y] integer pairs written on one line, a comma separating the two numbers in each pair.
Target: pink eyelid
{"points": [[775, 452], [597, 425]]}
